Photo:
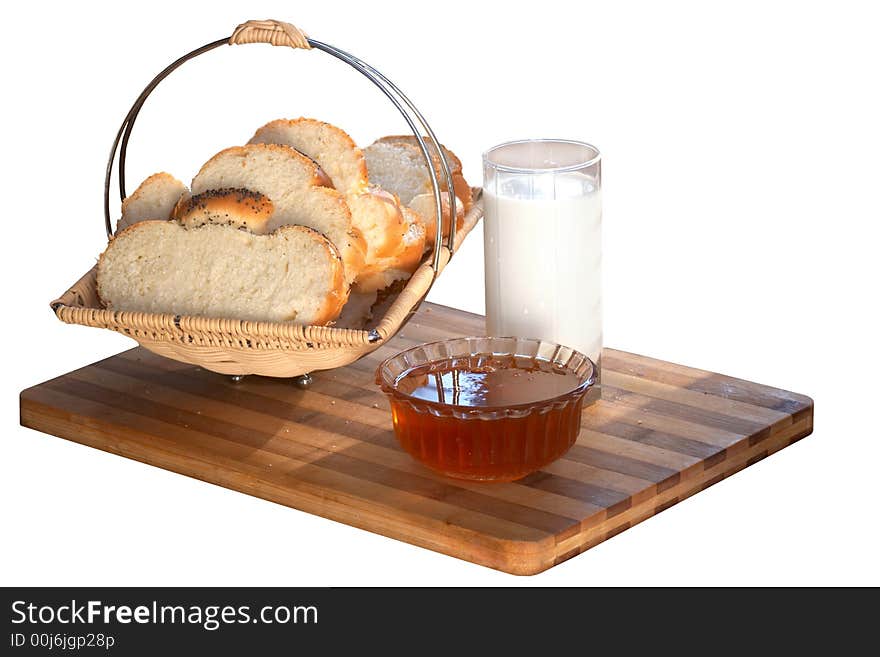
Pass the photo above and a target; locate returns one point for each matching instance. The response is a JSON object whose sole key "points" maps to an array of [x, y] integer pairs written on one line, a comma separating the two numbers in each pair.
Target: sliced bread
{"points": [[396, 163], [331, 147], [399, 267], [379, 216], [425, 208], [293, 184], [155, 198], [399, 168], [294, 274], [240, 208], [374, 212], [414, 240], [459, 185]]}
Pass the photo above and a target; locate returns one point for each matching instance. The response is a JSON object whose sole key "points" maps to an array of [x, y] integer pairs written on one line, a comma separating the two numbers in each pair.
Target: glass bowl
{"points": [[487, 442]]}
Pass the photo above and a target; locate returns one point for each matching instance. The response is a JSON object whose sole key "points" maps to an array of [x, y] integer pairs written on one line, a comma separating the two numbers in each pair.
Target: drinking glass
{"points": [[543, 248]]}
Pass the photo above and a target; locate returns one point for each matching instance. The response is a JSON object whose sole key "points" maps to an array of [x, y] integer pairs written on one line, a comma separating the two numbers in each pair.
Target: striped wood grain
{"points": [[659, 433]]}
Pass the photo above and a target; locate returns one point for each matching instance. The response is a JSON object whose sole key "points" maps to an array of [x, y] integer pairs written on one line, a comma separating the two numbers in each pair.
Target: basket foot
{"points": [[237, 378], [303, 380]]}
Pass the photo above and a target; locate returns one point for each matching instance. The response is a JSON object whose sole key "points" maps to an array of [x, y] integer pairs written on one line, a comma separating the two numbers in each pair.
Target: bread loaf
{"points": [[379, 216], [240, 208], [294, 274], [426, 209], [396, 163], [293, 183], [155, 198], [374, 212], [414, 243], [459, 184], [386, 271], [330, 147], [399, 168]]}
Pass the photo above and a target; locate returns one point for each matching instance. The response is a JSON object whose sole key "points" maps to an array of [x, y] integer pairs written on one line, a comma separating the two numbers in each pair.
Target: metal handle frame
{"points": [[413, 117]]}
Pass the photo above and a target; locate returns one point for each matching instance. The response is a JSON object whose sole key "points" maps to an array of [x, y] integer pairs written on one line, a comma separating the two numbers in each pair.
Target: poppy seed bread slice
{"points": [[293, 183], [294, 274], [240, 208]]}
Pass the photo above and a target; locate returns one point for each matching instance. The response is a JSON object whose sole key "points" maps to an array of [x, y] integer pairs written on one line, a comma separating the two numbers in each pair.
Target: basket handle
{"points": [[275, 33], [278, 33]]}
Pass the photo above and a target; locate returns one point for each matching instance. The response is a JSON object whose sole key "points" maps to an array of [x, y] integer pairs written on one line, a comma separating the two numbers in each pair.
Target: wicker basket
{"points": [[280, 349]]}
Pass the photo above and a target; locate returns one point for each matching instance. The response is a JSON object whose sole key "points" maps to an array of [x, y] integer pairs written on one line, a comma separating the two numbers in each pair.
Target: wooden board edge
{"points": [[591, 537], [514, 557], [803, 399], [510, 556]]}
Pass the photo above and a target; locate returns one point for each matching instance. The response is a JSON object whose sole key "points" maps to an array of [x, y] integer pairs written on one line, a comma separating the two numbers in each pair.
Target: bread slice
{"points": [[451, 158], [240, 208], [292, 182], [459, 184], [331, 147], [414, 240], [374, 212], [294, 274], [423, 205], [155, 198], [396, 163], [379, 216], [399, 267], [399, 168]]}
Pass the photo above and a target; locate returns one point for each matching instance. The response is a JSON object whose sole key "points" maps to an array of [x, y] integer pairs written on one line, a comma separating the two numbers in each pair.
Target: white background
{"points": [[741, 167]]}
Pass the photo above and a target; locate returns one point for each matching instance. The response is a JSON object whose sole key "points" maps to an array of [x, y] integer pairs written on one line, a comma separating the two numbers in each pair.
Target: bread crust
{"points": [[379, 212], [244, 151], [410, 258], [323, 177], [161, 177], [386, 271], [339, 289], [311, 137], [424, 208], [452, 158], [237, 207], [146, 187]]}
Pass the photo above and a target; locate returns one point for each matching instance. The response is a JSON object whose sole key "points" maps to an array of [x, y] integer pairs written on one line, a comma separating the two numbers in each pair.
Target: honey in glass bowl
{"points": [[490, 409]]}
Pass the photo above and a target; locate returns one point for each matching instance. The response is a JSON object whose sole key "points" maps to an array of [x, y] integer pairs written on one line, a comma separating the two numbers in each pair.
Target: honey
{"points": [[487, 416], [487, 381]]}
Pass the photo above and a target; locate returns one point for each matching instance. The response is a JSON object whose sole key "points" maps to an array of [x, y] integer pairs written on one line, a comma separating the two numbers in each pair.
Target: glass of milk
{"points": [[543, 249]]}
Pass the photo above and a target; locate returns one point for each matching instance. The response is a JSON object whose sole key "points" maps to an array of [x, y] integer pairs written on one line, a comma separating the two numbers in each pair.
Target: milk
{"points": [[543, 253]]}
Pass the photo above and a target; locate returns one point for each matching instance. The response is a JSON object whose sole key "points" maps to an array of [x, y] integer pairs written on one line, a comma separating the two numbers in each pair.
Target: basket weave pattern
{"points": [[232, 346]]}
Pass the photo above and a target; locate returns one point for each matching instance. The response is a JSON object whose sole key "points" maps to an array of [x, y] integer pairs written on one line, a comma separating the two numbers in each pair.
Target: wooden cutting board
{"points": [[659, 433]]}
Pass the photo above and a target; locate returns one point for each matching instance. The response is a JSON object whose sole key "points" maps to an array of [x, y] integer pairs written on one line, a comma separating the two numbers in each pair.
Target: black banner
{"points": [[241, 621]]}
